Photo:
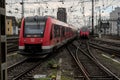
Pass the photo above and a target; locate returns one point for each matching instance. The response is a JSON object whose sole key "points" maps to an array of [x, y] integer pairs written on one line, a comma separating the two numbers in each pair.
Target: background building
{"points": [[11, 26], [114, 15]]}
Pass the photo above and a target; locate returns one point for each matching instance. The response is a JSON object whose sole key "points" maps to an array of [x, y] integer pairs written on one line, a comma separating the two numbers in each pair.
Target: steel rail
{"points": [[113, 76], [103, 48], [103, 67], [79, 64]]}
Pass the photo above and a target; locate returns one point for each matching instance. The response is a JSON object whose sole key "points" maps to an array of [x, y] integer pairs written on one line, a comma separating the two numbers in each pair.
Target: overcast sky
{"points": [[74, 8]]}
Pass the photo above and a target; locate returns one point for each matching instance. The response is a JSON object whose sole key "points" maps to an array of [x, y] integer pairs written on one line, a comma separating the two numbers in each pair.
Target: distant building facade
{"points": [[105, 26], [11, 26], [114, 27]]}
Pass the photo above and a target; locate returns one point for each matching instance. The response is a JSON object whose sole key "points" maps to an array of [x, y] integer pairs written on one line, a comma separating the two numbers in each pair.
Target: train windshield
{"points": [[34, 29], [84, 29]]}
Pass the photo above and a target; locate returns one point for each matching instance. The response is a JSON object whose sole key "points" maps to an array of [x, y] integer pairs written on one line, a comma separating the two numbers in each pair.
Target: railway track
{"points": [[19, 69], [107, 42], [90, 67], [114, 37], [109, 49], [75, 57], [25, 69], [12, 44]]}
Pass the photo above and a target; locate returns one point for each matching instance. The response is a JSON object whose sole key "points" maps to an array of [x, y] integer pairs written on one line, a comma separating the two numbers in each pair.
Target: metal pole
{"points": [[92, 17], [99, 13], [99, 19], [3, 48], [39, 11], [89, 21], [22, 8]]}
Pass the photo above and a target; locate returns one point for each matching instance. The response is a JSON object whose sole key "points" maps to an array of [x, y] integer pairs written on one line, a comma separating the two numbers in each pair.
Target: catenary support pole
{"points": [[92, 17], [3, 50]]}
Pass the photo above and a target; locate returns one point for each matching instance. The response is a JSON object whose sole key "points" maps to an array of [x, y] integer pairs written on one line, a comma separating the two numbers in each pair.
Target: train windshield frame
{"points": [[34, 27]]}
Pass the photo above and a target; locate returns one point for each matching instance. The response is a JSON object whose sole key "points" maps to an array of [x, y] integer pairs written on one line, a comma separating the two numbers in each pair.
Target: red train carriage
{"points": [[84, 33], [41, 35]]}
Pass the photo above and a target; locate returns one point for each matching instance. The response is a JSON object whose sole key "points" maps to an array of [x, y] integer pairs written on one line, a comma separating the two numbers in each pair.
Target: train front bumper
{"points": [[43, 52]]}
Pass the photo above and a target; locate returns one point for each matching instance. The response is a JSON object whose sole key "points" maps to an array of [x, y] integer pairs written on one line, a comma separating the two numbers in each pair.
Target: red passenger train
{"points": [[84, 33], [40, 35]]}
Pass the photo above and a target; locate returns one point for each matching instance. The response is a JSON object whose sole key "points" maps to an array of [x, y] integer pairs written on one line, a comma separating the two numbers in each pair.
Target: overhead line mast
{"points": [[22, 3], [92, 17], [3, 42]]}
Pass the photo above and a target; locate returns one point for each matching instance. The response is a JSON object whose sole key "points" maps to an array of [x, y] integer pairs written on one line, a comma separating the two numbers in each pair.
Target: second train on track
{"points": [[84, 33]]}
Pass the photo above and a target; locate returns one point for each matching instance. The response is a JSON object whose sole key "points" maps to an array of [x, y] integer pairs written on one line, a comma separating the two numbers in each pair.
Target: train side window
{"points": [[24, 28], [51, 35], [51, 32], [56, 30], [63, 31]]}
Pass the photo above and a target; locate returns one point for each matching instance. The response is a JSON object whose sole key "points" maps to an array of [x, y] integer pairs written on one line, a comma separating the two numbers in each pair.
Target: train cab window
{"points": [[84, 29], [34, 28]]}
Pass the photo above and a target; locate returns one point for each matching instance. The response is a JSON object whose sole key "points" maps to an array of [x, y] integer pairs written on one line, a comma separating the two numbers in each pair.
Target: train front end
{"points": [[31, 38], [84, 33]]}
